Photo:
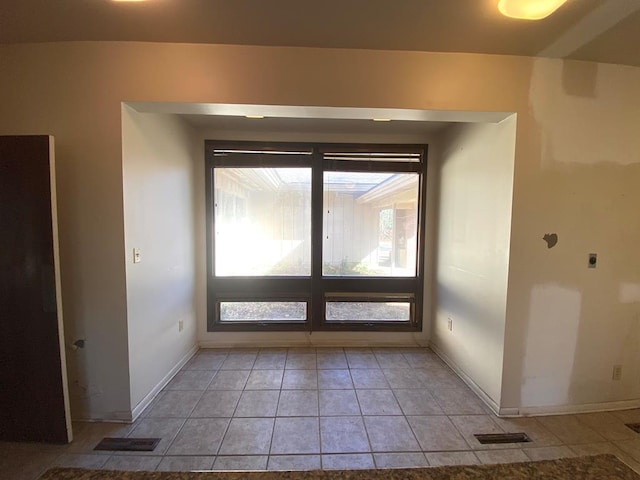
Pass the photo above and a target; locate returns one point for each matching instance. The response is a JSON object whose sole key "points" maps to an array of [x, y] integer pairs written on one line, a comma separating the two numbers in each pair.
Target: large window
{"points": [[262, 221], [315, 237]]}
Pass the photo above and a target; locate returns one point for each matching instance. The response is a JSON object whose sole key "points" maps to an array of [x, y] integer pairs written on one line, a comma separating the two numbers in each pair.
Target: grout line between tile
{"points": [[414, 365]]}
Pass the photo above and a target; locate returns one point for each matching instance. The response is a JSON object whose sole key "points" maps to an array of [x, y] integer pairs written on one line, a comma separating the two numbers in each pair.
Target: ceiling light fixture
{"points": [[529, 9], [381, 119], [254, 116]]}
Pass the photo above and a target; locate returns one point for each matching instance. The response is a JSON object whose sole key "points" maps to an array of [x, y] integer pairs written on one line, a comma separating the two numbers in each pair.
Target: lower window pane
{"points": [[263, 311], [364, 312]]}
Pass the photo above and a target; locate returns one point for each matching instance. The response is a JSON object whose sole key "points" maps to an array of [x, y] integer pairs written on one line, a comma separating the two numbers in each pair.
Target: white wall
{"points": [[159, 214], [475, 170], [576, 168]]}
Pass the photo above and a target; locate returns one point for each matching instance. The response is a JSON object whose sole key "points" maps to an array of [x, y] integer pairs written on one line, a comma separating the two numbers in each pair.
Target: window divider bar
{"points": [[370, 147], [216, 145], [259, 161], [212, 308], [421, 245], [368, 166], [316, 309]]}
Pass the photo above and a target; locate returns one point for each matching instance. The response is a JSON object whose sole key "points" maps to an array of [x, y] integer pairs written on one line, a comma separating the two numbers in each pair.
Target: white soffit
{"points": [[336, 113]]}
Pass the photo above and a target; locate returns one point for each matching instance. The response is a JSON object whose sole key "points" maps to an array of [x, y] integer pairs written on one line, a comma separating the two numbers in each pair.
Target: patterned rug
{"points": [[598, 467]]}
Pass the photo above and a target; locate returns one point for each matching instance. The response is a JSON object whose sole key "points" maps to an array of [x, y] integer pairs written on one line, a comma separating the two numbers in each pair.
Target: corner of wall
{"points": [[471, 272], [160, 181]]}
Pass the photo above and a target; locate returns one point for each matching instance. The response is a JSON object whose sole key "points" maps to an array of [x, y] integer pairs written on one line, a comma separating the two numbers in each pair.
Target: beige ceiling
{"points": [[594, 30]]}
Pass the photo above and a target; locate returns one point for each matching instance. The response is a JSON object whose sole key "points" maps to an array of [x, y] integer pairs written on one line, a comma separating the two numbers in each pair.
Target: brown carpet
{"points": [[598, 467]]}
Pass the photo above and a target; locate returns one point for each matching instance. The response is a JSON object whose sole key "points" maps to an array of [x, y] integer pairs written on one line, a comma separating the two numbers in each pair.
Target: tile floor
{"points": [[304, 408]]}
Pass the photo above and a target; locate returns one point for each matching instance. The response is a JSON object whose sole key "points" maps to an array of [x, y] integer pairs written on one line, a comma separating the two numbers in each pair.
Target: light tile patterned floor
{"points": [[306, 408]]}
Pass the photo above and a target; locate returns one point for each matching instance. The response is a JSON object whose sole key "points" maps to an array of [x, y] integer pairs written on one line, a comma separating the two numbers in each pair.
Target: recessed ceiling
{"points": [[472, 26]]}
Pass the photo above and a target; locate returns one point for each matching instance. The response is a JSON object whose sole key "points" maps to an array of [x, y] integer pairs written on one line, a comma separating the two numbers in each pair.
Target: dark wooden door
{"points": [[34, 404]]}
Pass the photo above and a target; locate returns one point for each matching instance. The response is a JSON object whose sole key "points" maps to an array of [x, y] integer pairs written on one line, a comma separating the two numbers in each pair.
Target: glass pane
{"points": [[262, 221], [370, 224], [368, 312], [263, 311]]}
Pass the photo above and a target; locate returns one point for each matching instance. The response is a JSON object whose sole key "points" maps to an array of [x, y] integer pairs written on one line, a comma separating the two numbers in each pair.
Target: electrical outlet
{"points": [[449, 324], [617, 372], [180, 325]]}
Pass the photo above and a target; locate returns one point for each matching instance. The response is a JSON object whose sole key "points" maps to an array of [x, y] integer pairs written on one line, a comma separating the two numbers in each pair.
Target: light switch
{"points": [[136, 255]]}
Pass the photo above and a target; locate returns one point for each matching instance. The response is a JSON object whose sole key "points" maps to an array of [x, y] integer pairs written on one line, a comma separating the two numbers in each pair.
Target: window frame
{"points": [[315, 288]]}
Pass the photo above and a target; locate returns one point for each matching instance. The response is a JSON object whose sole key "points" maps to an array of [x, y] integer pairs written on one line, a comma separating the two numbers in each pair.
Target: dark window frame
{"points": [[315, 288]]}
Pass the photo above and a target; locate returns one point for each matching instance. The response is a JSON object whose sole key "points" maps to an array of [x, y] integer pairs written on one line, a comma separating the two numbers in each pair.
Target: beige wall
{"points": [[575, 166], [160, 216], [577, 171], [475, 171]]}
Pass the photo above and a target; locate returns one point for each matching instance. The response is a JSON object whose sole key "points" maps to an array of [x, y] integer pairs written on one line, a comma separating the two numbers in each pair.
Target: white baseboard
{"points": [[253, 344], [109, 417], [509, 412], [318, 344], [144, 403], [584, 408], [467, 379], [533, 411]]}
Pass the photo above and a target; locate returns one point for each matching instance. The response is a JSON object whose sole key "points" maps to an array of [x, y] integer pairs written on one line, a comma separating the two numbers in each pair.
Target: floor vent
{"points": [[634, 426], [128, 444], [491, 438]]}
